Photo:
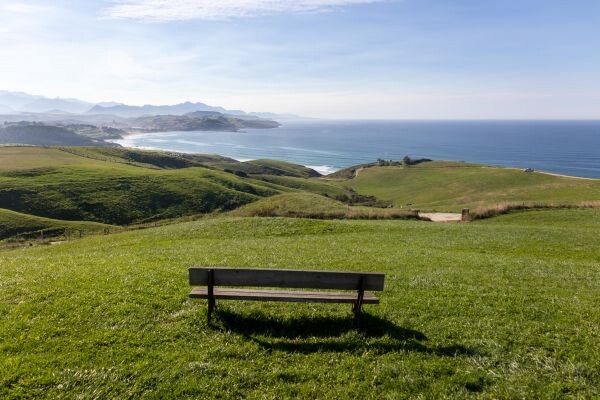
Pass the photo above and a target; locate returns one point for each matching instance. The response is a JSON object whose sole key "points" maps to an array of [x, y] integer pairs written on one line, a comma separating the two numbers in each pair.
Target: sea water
{"points": [[564, 147]]}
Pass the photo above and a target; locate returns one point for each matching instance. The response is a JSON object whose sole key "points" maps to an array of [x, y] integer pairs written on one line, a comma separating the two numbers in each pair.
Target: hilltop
{"points": [[450, 186]]}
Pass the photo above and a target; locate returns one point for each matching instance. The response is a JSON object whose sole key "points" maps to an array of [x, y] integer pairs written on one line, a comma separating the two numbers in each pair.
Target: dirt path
{"points": [[552, 174], [358, 171], [567, 176], [442, 217]]}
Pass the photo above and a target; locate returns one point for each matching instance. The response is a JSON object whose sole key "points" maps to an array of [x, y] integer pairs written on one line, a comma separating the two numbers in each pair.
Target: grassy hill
{"points": [[116, 190], [503, 308], [124, 195], [16, 158], [127, 186], [266, 167], [310, 205], [13, 223], [318, 186], [450, 186]]}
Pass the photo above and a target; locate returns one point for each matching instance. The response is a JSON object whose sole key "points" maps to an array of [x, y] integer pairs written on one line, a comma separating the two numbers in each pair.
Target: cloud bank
{"points": [[173, 10]]}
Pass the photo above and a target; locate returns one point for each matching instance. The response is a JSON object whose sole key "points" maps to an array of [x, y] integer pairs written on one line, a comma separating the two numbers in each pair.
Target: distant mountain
{"points": [[139, 111], [16, 100], [6, 109], [197, 121], [23, 102], [26, 105], [45, 105], [109, 104]]}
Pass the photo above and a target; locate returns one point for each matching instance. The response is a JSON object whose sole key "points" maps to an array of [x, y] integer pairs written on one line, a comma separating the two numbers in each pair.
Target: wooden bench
{"points": [[359, 282]]}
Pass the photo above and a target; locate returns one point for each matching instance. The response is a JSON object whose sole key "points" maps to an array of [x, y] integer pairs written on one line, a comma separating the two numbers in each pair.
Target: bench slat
{"points": [[285, 278], [282, 295]]}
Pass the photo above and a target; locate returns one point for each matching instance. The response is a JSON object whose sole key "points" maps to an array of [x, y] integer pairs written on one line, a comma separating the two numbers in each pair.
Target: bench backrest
{"points": [[286, 278]]}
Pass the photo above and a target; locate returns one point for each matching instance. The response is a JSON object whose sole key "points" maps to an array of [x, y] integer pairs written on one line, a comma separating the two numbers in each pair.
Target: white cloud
{"points": [[171, 10]]}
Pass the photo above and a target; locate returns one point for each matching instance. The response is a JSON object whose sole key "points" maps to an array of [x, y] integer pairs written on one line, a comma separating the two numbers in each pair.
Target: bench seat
{"points": [[282, 295]]}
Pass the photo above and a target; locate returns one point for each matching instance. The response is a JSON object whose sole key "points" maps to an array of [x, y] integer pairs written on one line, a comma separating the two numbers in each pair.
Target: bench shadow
{"points": [[330, 334]]}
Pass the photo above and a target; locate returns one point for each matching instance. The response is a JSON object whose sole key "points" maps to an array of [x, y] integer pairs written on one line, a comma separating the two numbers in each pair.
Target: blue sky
{"points": [[434, 59]]}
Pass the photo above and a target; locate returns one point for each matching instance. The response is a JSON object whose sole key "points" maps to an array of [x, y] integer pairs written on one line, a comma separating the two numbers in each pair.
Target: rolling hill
{"points": [[17, 224], [450, 186], [125, 186]]}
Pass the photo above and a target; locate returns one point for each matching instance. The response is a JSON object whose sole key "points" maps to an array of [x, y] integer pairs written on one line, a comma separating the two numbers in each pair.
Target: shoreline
{"points": [[324, 169]]}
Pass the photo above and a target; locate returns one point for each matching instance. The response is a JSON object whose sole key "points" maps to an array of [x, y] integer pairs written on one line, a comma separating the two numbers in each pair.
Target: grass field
{"points": [[14, 158], [503, 308], [444, 186]]}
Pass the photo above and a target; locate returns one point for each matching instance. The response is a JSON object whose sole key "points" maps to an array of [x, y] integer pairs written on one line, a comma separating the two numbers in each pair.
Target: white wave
{"points": [[323, 169], [182, 141]]}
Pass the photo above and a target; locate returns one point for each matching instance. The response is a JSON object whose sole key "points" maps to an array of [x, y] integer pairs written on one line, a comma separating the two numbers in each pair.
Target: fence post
{"points": [[465, 215]]}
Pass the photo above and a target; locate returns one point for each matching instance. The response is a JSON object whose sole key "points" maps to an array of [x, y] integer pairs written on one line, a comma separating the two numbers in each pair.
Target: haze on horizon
{"points": [[418, 59]]}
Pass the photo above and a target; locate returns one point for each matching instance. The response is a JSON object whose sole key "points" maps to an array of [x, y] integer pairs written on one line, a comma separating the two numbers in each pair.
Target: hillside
{"points": [[13, 223], [267, 167], [310, 205], [503, 308], [127, 186], [45, 135], [450, 186], [65, 184]]}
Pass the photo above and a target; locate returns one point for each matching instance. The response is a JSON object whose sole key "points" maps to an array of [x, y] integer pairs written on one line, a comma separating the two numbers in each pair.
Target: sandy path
{"points": [[442, 217], [568, 176]]}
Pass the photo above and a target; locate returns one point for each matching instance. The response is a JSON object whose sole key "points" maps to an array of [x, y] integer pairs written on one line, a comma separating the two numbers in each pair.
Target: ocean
{"points": [[564, 147]]}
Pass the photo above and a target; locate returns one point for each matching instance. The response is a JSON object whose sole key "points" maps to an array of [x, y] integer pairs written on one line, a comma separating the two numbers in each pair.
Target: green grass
{"points": [[124, 196], [126, 186], [73, 187], [13, 223], [13, 158], [318, 186], [503, 308], [268, 167], [445, 186], [145, 158], [310, 205], [275, 167]]}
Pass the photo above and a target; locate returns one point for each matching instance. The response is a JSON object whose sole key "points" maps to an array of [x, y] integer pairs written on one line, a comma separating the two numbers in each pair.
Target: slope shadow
{"points": [[331, 334]]}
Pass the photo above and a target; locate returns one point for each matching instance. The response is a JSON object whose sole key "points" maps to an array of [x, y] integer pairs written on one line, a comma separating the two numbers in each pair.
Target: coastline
{"points": [[330, 147]]}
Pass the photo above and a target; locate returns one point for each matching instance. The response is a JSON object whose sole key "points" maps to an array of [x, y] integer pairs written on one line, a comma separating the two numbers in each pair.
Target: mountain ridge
{"points": [[24, 103]]}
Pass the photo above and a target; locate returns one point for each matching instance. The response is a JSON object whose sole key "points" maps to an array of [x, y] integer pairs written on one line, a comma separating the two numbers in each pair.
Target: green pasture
{"points": [[501, 309]]}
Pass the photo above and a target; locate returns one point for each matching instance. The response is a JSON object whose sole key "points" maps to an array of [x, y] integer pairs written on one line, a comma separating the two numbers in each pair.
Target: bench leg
{"points": [[211, 295], [358, 303], [356, 308], [211, 307]]}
